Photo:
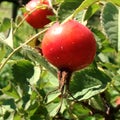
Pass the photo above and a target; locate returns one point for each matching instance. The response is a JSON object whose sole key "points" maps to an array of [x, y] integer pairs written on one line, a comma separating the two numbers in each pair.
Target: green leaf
{"points": [[79, 111], [4, 41], [67, 8], [85, 4], [2, 52], [11, 91], [88, 83], [48, 82], [33, 55], [22, 71], [32, 108], [53, 108], [110, 24], [2, 36], [10, 103], [9, 39], [102, 41], [40, 114], [17, 117], [116, 2], [119, 29], [5, 25], [34, 79], [91, 10], [117, 82], [52, 96]]}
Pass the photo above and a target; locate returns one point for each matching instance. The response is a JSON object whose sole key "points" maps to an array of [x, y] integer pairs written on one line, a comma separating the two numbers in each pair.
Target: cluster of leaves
{"points": [[29, 84]]}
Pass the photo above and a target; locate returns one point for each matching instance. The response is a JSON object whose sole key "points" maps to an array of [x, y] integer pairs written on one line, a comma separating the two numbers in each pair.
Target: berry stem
{"points": [[64, 79]]}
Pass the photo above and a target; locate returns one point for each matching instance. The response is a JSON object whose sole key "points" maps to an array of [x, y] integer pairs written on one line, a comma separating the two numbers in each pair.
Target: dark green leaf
{"points": [[88, 83], [110, 23], [40, 114], [11, 103], [22, 70], [102, 41]]}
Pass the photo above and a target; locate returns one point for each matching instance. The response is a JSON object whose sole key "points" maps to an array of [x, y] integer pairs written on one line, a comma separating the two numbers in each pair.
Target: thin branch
{"points": [[18, 48]]}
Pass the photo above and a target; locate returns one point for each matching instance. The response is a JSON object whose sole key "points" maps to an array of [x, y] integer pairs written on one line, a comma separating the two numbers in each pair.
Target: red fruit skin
{"points": [[69, 46], [117, 101], [38, 18]]}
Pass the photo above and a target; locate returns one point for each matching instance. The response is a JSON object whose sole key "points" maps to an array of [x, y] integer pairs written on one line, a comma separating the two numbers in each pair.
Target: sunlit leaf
{"points": [[52, 96], [9, 39], [53, 108], [5, 42], [34, 79]]}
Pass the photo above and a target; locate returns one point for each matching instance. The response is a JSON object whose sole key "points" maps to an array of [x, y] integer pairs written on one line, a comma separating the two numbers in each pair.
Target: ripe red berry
{"points": [[39, 17], [69, 46], [117, 101]]}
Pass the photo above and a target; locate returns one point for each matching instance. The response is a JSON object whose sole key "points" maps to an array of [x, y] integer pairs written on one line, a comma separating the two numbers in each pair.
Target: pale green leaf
{"points": [[4, 41], [9, 39], [52, 96], [53, 108], [34, 79], [48, 82]]}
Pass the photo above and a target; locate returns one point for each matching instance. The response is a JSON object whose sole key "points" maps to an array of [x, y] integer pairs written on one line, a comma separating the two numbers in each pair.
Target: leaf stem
{"points": [[83, 5], [18, 48]]}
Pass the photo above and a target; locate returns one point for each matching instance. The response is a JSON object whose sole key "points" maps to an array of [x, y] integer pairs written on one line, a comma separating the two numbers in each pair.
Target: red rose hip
{"points": [[69, 46], [39, 17]]}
